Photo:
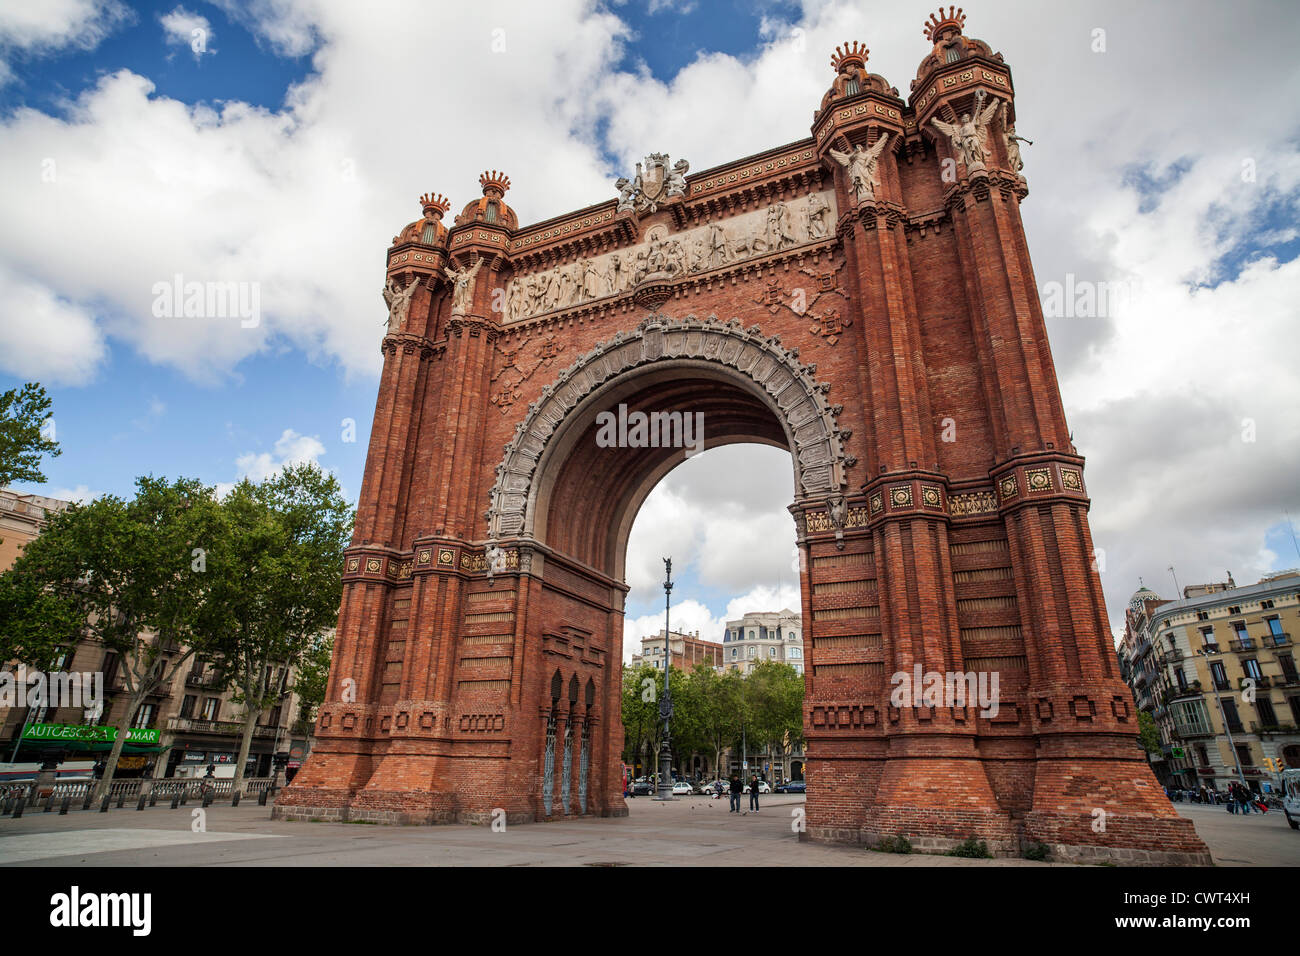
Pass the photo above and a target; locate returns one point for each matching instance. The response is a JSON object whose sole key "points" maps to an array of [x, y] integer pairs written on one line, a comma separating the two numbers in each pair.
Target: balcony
{"points": [[220, 728], [1169, 657], [1245, 644], [1192, 731], [202, 680], [1276, 640], [1267, 730]]}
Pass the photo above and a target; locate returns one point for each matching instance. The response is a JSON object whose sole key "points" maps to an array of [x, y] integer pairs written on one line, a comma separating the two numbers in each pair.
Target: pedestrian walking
{"points": [[736, 787], [753, 792]]}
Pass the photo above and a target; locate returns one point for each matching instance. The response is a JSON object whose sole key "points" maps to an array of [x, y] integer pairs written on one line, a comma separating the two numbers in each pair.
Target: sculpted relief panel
{"points": [[663, 255]]}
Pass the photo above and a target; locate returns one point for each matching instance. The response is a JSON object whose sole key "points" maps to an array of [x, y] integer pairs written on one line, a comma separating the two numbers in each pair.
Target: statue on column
{"points": [[1013, 143], [861, 166], [399, 302], [463, 287], [967, 135]]}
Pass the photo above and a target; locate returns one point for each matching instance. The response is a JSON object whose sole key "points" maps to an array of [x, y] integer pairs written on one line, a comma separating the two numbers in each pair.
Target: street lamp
{"points": [[666, 701]]}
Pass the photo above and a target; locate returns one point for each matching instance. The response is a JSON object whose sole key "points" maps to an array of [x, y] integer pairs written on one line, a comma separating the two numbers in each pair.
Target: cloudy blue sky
{"points": [[284, 142]]}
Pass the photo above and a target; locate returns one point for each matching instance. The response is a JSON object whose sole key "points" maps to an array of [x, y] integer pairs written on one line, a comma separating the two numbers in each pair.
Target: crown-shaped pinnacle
{"points": [[854, 52], [435, 201], [494, 180], [939, 21]]}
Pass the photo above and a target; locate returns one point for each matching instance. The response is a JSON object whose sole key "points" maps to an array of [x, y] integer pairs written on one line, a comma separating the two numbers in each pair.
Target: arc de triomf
{"points": [[863, 298]]}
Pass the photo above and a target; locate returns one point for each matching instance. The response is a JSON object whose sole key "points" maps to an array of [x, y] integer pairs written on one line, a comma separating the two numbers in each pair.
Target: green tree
{"points": [[720, 700], [312, 676], [23, 413], [126, 574], [275, 575], [774, 706], [641, 687], [1148, 733]]}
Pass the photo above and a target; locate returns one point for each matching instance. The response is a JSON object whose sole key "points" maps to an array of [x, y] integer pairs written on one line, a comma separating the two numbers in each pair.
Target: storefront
{"points": [[47, 743]]}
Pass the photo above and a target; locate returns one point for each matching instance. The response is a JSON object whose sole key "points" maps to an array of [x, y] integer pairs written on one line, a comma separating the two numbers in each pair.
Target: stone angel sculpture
{"points": [[861, 166], [1013, 143], [463, 287], [399, 302], [967, 134]]}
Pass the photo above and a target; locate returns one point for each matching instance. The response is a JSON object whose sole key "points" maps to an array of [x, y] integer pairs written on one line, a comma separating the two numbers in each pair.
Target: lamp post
{"points": [[666, 701]]}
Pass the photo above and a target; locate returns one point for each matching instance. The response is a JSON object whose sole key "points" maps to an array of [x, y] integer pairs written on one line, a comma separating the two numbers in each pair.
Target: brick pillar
{"points": [[1093, 788]]}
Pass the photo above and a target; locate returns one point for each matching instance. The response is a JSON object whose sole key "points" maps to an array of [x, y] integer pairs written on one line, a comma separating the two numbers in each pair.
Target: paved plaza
{"points": [[693, 831]]}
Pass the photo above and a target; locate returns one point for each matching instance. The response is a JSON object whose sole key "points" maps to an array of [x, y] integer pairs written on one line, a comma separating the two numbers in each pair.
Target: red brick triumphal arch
{"points": [[863, 298]]}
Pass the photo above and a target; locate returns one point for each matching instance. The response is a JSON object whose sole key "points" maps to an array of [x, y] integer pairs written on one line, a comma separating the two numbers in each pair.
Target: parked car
{"points": [[763, 787], [642, 788], [792, 786], [714, 787], [1291, 796], [682, 789]]}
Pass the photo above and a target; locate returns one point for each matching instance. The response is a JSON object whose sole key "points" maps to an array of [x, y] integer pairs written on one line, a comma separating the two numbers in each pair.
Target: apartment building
{"points": [[1216, 670]]}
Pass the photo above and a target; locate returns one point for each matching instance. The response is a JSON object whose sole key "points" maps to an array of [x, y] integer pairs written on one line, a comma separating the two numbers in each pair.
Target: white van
{"points": [[1291, 796]]}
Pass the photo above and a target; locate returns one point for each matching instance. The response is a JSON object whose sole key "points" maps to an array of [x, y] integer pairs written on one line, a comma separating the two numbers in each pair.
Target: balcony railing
{"points": [[1245, 644], [230, 728], [1276, 640], [1265, 730]]}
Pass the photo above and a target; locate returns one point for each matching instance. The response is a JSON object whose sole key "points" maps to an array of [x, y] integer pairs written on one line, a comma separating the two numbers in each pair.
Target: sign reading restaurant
{"points": [[135, 735]]}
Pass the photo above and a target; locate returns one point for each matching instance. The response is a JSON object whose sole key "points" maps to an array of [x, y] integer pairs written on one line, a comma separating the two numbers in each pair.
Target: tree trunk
{"points": [[107, 780], [245, 743]]}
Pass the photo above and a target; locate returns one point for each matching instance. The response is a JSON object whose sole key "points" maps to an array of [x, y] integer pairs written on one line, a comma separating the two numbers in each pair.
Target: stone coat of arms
{"points": [[655, 183]]}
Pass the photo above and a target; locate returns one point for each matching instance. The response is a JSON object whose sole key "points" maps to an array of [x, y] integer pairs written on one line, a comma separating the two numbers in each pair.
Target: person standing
{"points": [[735, 793], [753, 792]]}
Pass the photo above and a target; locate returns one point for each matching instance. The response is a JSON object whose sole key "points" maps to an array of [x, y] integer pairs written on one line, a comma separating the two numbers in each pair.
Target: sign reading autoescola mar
{"points": [[135, 735]]}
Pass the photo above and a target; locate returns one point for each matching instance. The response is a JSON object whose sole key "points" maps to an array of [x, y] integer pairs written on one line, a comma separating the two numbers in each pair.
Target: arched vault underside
{"points": [[746, 386]]}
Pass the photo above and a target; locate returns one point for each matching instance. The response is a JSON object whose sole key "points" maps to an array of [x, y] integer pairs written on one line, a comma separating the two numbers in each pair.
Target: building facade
{"points": [[1217, 672], [848, 296], [764, 636], [187, 724], [689, 651]]}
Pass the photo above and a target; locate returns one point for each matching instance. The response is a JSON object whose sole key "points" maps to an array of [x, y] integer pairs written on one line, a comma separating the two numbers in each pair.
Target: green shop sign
{"points": [[85, 732]]}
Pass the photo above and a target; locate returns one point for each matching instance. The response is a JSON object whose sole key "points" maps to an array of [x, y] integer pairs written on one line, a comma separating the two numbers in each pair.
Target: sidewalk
{"points": [[693, 831]]}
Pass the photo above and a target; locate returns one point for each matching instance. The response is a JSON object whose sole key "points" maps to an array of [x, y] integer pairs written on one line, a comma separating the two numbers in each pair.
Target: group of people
{"points": [[737, 789], [1238, 797]]}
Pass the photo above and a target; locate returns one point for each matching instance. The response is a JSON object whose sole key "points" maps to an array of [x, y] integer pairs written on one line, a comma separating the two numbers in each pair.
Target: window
{"points": [[1267, 716], [1181, 678], [1220, 675], [1289, 674], [1294, 704], [794, 652], [751, 634], [751, 652], [1266, 605], [1251, 667], [1235, 609], [733, 653], [1244, 757], [1230, 710], [771, 652], [187, 705], [211, 708], [1202, 615], [144, 715], [1202, 756], [1274, 626], [1242, 634], [1207, 634]]}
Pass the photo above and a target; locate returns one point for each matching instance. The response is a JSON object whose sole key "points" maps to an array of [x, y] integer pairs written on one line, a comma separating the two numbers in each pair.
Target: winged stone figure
{"points": [[463, 287], [399, 302], [861, 166], [967, 134]]}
